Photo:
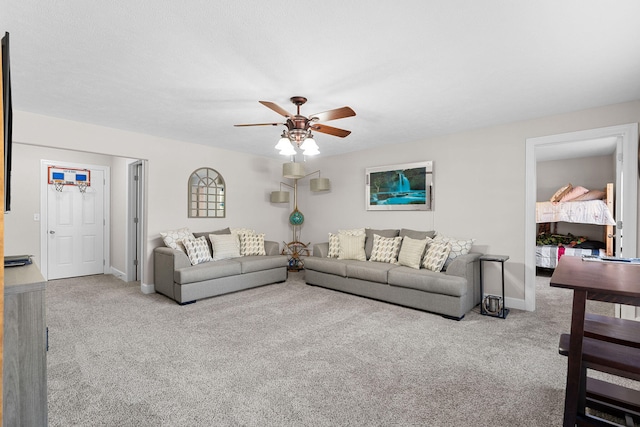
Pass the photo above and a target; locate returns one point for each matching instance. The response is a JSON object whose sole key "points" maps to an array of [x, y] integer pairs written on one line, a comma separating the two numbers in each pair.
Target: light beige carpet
{"points": [[294, 355]]}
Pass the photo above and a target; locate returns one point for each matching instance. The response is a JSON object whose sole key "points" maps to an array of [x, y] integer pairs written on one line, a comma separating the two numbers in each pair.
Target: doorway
{"points": [[626, 154], [135, 221], [75, 224]]}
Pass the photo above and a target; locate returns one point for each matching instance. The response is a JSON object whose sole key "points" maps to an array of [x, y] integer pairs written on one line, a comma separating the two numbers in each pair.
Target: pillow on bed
{"points": [[591, 195], [561, 192], [573, 193]]}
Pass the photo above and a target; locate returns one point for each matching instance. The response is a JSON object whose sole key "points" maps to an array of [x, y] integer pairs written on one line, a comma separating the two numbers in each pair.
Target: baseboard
{"points": [[119, 274], [516, 303], [146, 288]]}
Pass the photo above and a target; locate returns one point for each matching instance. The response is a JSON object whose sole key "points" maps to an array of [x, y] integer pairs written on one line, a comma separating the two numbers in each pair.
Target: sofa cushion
{"points": [[369, 232], [371, 271], [326, 265], [225, 246], [197, 250], [418, 235], [411, 251], [252, 263], [352, 247], [207, 271], [428, 281], [436, 255], [385, 249]]}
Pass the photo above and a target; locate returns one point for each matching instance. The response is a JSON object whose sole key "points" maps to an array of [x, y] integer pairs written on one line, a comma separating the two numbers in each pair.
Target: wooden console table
{"points": [[599, 342]]}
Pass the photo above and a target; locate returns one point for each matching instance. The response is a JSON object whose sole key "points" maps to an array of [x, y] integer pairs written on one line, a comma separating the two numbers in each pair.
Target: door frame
{"points": [[44, 212], [136, 242], [628, 134]]}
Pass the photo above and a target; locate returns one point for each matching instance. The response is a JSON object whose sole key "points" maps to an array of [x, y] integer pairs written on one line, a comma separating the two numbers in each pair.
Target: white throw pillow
{"points": [[225, 246], [458, 246], [385, 249], [352, 247], [353, 232], [436, 256], [334, 241], [197, 250], [411, 251], [252, 244], [239, 231], [173, 239]]}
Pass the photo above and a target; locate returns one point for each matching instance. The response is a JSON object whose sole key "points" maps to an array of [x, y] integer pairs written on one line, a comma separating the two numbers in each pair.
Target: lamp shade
{"points": [[320, 184], [288, 150], [293, 170], [279, 197]]}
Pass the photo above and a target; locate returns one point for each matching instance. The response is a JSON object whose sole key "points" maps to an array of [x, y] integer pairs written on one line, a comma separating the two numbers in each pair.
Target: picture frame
{"points": [[401, 187]]}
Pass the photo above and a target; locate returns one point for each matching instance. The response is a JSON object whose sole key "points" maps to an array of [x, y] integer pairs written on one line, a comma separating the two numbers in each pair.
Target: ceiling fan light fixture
{"points": [[309, 144], [288, 150], [283, 142]]}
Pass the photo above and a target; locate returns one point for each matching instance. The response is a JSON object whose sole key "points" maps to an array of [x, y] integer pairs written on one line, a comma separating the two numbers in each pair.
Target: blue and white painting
{"points": [[400, 187]]}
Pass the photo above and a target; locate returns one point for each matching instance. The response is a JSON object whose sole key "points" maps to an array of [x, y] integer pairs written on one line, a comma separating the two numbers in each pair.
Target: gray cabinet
{"points": [[24, 384]]}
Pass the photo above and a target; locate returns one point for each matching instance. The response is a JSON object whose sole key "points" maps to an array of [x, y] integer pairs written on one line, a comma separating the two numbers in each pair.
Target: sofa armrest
{"points": [[467, 266], [271, 248], [165, 263], [321, 249]]}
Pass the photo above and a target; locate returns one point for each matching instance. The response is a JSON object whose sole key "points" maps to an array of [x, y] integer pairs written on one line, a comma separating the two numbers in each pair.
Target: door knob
{"points": [[52, 232]]}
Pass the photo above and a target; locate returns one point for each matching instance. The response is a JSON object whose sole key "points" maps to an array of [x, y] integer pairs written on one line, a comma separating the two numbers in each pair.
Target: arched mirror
{"points": [[206, 194]]}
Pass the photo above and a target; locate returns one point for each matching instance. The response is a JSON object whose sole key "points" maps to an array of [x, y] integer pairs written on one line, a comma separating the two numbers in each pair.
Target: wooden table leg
{"points": [[574, 368]]}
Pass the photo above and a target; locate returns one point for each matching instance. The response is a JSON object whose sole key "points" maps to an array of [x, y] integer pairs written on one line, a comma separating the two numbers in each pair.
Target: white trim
{"points": [[44, 212], [119, 274], [629, 135], [147, 288]]}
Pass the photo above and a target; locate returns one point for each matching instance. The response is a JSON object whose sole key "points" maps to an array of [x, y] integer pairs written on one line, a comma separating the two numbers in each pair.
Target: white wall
{"points": [[479, 179], [249, 180], [22, 232], [590, 172]]}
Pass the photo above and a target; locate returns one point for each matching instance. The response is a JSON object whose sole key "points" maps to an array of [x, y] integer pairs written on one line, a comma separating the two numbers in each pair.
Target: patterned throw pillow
{"points": [[458, 246], [385, 249], [334, 246], [225, 246], [436, 256], [252, 244], [411, 251], [197, 250], [173, 239], [352, 247]]}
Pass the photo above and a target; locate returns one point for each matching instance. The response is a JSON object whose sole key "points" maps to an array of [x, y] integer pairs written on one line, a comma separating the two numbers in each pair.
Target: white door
{"points": [[75, 227]]}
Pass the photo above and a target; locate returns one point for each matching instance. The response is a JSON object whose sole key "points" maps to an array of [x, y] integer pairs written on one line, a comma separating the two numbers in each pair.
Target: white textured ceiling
{"points": [[189, 70]]}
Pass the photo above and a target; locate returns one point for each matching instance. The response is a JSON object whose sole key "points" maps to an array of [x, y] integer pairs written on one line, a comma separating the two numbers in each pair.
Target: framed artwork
{"points": [[403, 187]]}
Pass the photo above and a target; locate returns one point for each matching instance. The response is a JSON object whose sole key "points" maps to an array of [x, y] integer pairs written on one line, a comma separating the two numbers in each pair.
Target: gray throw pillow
{"points": [[369, 232]]}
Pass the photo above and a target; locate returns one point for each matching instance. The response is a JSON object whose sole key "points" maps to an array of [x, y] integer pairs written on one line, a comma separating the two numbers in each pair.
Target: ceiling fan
{"points": [[299, 127]]}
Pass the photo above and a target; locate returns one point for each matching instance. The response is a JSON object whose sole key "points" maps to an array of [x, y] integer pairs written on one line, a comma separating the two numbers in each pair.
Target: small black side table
{"points": [[503, 311]]}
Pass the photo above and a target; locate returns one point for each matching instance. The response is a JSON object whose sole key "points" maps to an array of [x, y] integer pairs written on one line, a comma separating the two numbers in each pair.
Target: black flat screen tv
{"points": [[7, 120]]}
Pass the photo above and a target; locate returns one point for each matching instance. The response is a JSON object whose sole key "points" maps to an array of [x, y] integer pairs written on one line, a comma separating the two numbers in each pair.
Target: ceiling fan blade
{"points": [[275, 107], [338, 113], [330, 130], [260, 124]]}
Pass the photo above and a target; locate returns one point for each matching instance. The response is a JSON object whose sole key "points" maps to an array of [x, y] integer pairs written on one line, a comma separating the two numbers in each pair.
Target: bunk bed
{"points": [[594, 207]]}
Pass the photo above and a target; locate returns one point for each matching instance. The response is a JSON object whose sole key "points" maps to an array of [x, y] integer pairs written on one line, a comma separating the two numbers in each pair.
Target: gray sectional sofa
{"points": [[451, 293], [175, 277]]}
